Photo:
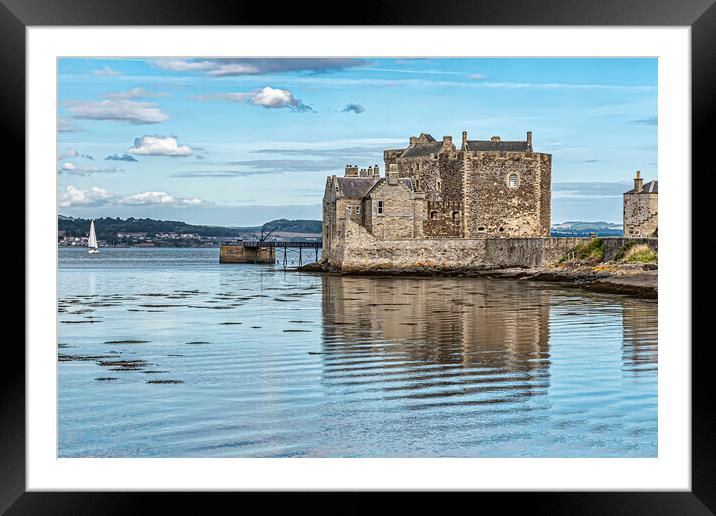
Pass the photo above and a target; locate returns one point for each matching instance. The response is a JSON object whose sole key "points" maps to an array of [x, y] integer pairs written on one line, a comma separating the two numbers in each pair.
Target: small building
{"points": [[641, 208]]}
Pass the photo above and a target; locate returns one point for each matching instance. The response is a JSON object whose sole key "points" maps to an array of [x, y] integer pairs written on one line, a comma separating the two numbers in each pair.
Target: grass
{"points": [[640, 253], [592, 250]]}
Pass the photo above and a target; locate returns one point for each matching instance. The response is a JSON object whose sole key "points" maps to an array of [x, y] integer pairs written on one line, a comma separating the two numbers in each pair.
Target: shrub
{"points": [[592, 250], [641, 253], [619, 256]]}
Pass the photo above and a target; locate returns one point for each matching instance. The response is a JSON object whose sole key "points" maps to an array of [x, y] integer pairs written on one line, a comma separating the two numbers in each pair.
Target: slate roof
{"points": [[354, 187], [501, 146], [422, 149], [650, 187]]}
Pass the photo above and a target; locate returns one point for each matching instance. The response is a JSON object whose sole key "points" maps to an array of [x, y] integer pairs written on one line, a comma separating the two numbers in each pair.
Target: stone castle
{"points": [[641, 208], [485, 189]]}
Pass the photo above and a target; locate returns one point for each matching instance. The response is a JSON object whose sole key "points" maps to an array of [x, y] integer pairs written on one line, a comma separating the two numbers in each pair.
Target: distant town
{"points": [[131, 232]]}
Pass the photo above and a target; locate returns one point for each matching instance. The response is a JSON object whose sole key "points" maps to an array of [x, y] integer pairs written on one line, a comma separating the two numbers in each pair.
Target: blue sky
{"points": [[242, 141]]}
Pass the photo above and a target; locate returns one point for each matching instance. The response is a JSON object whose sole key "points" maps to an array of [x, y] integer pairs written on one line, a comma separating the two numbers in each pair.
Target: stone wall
{"points": [[494, 208], [612, 245], [241, 254], [640, 214], [360, 251], [402, 214]]}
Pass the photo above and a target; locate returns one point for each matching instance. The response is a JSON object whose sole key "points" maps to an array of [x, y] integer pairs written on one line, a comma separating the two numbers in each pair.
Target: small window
{"points": [[434, 215], [350, 210], [512, 181], [357, 210], [380, 207], [455, 215]]}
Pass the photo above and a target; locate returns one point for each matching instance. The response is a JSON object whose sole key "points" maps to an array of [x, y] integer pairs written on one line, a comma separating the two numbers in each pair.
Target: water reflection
{"points": [[430, 338], [640, 327]]}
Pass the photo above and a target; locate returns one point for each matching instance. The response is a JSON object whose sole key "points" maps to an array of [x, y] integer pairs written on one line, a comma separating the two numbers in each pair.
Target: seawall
{"points": [[359, 251]]}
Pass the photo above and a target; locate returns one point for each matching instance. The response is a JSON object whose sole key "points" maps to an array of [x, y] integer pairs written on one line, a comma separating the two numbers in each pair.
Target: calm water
{"points": [[281, 364]]}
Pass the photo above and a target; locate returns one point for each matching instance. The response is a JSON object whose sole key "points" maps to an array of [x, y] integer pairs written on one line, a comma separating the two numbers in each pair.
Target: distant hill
{"points": [[295, 226], [581, 228], [108, 227]]}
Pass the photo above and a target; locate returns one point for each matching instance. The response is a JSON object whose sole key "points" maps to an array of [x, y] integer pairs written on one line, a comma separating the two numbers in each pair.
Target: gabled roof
{"points": [[501, 146], [407, 182], [650, 187], [354, 187], [422, 149]]}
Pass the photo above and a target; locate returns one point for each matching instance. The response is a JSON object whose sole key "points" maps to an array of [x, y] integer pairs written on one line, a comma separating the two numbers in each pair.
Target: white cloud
{"points": [[149, 198], [159, 146], [136, 113], [107, 70], [72, 153], [66, 126], [97, 196], [94, 196], [72, 169], [134, 93], [225, 67], [267, 97]]}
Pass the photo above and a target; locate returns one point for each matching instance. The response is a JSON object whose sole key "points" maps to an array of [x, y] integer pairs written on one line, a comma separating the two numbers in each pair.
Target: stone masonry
{"points": [[433, 190], [641, 211]]}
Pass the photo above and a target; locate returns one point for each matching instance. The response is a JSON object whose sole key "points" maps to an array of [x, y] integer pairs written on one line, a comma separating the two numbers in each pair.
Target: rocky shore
{"points": [[636, 280]]}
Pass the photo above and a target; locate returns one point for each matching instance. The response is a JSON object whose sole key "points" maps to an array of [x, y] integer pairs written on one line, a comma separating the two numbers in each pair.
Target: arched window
{"points": [[512, 181]]}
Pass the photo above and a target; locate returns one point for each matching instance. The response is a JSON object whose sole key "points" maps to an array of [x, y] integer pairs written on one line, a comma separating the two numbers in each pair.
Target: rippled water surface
{"points": [[168, 353]]}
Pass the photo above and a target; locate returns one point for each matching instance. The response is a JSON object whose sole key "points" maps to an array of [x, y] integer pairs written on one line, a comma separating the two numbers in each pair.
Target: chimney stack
{"points": [[393, 174], [413, 140], [376, 172], [529, 141], [495, 139], [351, 171], [638, 182], [464, 140], [447, 144]]}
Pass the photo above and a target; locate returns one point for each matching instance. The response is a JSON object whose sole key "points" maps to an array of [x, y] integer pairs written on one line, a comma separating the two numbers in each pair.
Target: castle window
{"points": [[512, 181], [455, 215], [357, 210], [380, 207], [434, 215]]}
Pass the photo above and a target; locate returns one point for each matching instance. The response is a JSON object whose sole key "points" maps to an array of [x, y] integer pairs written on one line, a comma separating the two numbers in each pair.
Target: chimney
{"points": [[363, 173], [447, 144], [638, 182], [376, 172], [351, 171], [464, 140], [495, 139], [393, 174], [529, 141], [413, 140]]}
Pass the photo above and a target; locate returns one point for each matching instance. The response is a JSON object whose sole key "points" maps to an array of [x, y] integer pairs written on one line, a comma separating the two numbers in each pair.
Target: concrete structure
{"points": [[238, 253], [641, 208]]}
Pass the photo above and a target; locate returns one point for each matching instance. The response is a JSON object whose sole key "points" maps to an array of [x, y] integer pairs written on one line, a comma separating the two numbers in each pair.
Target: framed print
{"points": [[391, 256]]}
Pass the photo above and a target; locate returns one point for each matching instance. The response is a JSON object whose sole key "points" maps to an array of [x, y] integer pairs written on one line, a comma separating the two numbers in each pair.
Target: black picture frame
{"points": [[700, 15]]}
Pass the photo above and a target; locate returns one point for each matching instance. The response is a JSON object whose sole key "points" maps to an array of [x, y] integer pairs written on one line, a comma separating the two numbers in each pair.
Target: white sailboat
{"points": [[92, 240]]}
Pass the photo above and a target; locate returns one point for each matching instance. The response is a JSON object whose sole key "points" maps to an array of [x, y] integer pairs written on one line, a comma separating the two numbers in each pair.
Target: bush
{"points": [[592, 250], [623, 251], [640, 253]]}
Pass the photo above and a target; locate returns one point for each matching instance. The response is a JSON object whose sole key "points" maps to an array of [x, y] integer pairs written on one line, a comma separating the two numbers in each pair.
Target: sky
{"points": [[239, 141]]}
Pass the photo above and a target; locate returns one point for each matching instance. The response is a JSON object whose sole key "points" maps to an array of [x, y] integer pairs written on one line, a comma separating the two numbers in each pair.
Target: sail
{"points": [[92, 241]]}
